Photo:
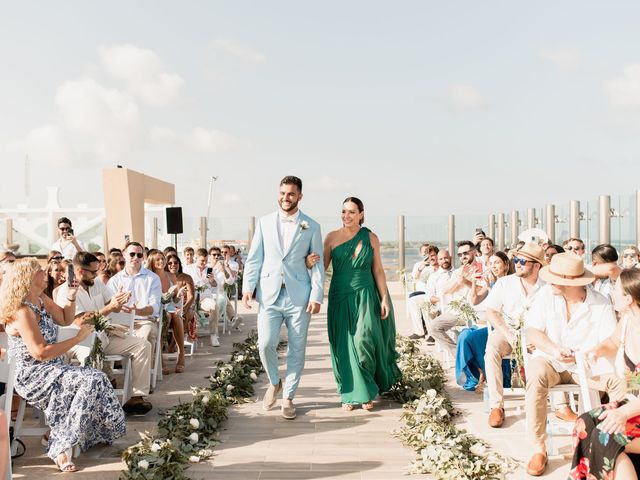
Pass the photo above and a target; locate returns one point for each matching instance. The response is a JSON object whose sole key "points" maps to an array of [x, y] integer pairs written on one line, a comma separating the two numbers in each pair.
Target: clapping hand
{"points": [[565, 355]]}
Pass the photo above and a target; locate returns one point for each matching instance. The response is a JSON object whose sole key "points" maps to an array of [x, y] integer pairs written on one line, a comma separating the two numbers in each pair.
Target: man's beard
{"points": [[88, 283], [446, 266], [293, 206]]}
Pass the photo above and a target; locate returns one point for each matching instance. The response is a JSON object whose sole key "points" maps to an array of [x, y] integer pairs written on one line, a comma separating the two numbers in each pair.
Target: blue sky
{"points": [[420, 108]]}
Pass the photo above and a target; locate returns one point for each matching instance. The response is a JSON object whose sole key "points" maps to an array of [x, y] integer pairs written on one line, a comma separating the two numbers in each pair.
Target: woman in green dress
{"points": [[360, 314]]}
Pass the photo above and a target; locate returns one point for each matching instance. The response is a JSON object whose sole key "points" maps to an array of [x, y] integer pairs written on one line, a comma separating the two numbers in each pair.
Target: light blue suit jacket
{"points": [[268, 267]]}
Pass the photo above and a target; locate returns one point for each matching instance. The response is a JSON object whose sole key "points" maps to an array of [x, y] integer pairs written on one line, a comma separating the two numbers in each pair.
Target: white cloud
{"points": [[210, 140], [101, 122], [624, 91], [47, 143], [143, 72], [466, 97], [242, 52], [567, 59], [326, 183]]}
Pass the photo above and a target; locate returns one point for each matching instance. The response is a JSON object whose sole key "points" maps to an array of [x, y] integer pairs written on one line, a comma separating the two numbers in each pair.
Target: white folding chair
{"points": [[156, 368], [126, 319], [7, 376]]}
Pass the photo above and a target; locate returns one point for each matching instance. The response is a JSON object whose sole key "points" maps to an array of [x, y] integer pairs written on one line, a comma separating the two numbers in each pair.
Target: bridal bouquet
{"points": [[103, 328]]}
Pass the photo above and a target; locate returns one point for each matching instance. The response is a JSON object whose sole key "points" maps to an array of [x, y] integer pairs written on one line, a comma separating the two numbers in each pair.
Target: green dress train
{"points": [[362, 344]]}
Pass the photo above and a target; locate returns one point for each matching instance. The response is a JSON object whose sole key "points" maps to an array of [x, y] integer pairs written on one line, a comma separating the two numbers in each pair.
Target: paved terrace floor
{"points": [[322, 443]]}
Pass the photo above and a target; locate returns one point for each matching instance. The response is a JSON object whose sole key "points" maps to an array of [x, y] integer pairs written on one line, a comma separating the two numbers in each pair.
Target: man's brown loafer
{"points": [[566, 414], [496, 417], [537, 464]]}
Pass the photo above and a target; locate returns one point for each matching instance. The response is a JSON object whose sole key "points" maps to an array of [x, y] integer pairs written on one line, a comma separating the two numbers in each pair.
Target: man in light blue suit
{"points": [[286, 290]]}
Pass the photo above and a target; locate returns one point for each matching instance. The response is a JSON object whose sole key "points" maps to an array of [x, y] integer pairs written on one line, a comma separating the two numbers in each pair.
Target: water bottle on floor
{"points": [[485, 400]]}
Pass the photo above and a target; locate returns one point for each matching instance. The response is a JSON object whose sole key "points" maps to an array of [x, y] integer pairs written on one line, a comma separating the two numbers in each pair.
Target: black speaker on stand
{"points": [[174, 223]]}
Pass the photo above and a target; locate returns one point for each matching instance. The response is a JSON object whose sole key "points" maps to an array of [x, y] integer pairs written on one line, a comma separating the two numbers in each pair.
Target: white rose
{"points": [[143, 464], [443, 412], [194, 459], [205, 399], [155, 447], [194, 437], [428, 433], [431, 393], [240, 358], [253, 376], [195, 423], [230, 387], [478, 449]]}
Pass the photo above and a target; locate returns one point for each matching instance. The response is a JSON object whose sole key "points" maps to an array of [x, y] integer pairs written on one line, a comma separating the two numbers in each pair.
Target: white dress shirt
{"points": [[421, 277], [66, 248], [436, 285], [92, 299], [509, 297], [591, 322], [145, 288], [200, 279], [287, 226]]}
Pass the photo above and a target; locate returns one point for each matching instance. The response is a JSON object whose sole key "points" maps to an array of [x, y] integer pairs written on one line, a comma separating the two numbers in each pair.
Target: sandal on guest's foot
{"points": [[368, 406], [67, 464], [347, 407], [180, 367], [166, 370]]}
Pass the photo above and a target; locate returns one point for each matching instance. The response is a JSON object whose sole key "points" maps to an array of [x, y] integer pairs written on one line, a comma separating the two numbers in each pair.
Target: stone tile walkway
{"points": [[322, 443]]}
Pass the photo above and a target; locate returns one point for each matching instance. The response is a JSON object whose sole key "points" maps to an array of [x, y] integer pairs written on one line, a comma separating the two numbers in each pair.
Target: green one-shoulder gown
{"points": [[362, 344]]}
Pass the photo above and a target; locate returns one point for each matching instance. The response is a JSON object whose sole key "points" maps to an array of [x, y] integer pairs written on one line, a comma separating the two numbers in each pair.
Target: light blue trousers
{"points": [[270, 320]]}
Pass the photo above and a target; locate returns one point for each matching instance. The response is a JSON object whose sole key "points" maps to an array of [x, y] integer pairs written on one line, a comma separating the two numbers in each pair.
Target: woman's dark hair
{"points": [[604, 253], [630, 281], [557, 248], [505, 259], [50, 280], [172, 256], [169, 250], [358, 203], [115, 257]]}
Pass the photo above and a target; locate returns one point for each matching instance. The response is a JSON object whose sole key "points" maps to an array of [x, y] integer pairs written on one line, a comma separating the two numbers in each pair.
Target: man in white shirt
{"points": [[506, 304], [67, 244], [457, 288], [232, 266], [418, 300], [565, 317], [145, 289], [210, 280], [94, 296]]}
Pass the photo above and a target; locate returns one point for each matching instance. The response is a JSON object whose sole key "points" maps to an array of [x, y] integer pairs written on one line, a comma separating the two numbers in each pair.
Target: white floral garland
{"points": [[444, 450]]}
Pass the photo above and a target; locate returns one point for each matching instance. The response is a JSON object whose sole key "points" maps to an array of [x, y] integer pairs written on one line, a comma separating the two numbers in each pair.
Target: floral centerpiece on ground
{"points": [[466, 314]]}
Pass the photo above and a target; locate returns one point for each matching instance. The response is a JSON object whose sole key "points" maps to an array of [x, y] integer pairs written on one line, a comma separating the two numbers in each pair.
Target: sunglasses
{"points": [[569, 248], [629, 255], [134, 254], [463, 254], [64, 229], [58, 258], [173, 263], [520, 261], [90, 271], [215, 254]]}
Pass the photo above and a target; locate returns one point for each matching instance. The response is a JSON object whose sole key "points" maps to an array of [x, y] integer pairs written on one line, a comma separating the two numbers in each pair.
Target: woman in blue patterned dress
{"points": [[79, 403]]}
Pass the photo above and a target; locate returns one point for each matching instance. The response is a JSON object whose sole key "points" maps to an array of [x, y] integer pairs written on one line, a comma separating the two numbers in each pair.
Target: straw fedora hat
{"points": [[533, 252], [566, 269]]}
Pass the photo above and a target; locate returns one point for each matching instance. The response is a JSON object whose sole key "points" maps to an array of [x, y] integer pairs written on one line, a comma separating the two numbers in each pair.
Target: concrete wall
{"points": [[125, 193]]}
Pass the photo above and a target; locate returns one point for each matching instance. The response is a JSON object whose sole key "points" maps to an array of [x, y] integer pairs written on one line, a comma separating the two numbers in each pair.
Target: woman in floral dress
{"points": [[79, 403], [604, 436]]}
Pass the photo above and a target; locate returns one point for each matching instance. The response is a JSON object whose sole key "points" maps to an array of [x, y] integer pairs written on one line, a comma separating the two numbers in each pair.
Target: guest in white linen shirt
{"points": [[67, 244], [418, 299], [565, 317], [94, 296], [145, 289]]}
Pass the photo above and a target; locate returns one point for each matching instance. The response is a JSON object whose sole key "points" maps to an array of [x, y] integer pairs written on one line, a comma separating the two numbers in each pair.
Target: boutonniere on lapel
{"points": [[304, 225]]}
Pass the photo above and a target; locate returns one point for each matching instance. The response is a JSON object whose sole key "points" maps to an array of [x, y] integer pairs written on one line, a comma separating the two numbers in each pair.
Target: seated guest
{"points": [[205, 280], [575, 246], [56, 275], [6, 260], [565, 317], [604, 265], [485, 250], [93, 296], [498, 266], [187, 302], [551, 250], [115, 264], [600, 452], [145, 289], [472, 342], [235, 253], [189, 253], [457, 288], [508, 300], [102, 264], [418, 300], [171, 295], [67, 244], [630, 257], [79, 404], [54, 255], [438, 281], [233, 268]]}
